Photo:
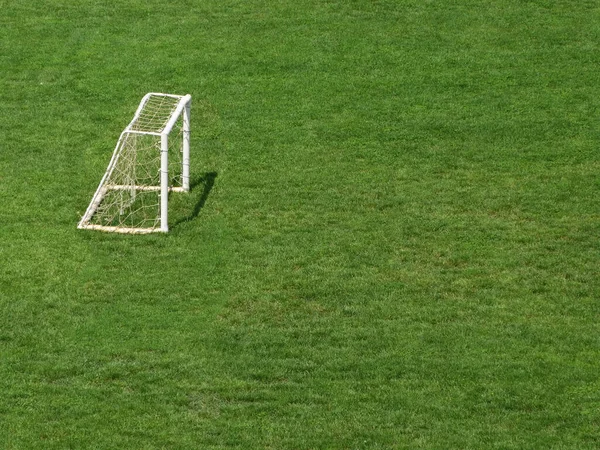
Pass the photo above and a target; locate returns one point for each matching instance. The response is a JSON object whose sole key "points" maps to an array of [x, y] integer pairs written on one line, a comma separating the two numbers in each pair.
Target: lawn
{"points": [[392, 240]]}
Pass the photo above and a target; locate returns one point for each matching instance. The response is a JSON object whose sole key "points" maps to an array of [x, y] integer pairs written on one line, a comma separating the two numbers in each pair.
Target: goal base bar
{"points": [[85, 224], [125, 187], [122, 230]]}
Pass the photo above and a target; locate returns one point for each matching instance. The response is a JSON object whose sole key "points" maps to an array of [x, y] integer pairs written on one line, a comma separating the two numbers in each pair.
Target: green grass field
{"points": [[392, 240]]}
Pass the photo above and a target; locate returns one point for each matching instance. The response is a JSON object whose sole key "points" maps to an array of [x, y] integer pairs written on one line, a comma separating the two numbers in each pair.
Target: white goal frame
{"points": [[147, 124]]}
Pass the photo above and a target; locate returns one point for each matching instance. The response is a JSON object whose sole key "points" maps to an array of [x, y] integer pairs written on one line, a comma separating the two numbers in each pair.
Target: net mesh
{"points": [[155, 114], [129, 198]]}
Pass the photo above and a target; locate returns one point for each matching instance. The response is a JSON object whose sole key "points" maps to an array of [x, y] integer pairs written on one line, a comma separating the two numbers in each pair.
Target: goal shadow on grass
{"points": [[204, 185]]}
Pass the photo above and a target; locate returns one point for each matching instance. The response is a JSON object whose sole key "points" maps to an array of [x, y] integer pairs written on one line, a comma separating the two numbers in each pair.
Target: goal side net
{"points": [[151, 159]]}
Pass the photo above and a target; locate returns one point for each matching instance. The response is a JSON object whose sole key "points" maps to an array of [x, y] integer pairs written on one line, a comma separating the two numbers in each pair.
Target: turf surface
{"points": [[392, 240]]}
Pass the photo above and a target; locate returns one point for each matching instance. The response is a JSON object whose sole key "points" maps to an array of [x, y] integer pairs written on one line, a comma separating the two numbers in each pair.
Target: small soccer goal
{"points": [[151, 159]]}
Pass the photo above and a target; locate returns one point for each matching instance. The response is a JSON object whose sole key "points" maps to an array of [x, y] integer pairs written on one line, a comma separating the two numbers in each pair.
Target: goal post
{"points": [[151, 159]]}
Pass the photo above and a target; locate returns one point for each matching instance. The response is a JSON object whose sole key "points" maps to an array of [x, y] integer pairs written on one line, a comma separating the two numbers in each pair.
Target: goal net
{"points": [[150, 160]]}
